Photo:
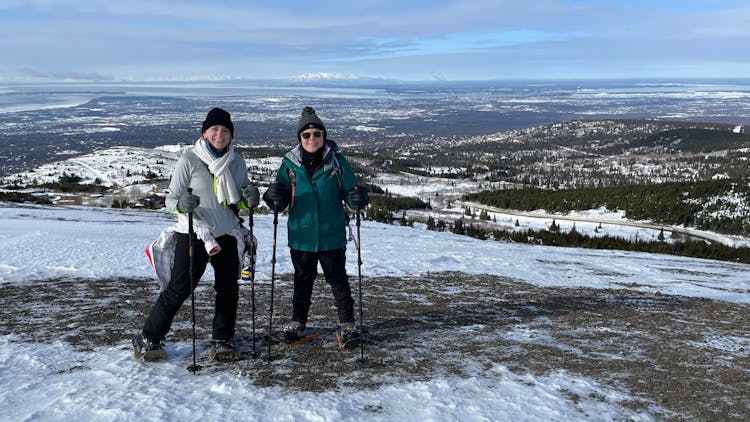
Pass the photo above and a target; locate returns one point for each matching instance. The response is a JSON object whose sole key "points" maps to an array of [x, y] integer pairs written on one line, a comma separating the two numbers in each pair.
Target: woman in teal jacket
{"points": [[314, 181]]}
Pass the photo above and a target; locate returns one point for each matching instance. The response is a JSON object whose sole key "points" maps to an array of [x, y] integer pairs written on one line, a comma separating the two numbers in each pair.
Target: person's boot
{"points": [[145, 350], [222, 350], [348, 336], [293, 331]]}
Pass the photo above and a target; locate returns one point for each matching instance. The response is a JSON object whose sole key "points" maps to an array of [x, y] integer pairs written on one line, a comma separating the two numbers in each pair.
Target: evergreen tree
{"points": [[458, 227]]}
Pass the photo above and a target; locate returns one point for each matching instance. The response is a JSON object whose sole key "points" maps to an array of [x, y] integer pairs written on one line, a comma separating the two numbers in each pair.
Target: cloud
{"points": [[392, 39]]}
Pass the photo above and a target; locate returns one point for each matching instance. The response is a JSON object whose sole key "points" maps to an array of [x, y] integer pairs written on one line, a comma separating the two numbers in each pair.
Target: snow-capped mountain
{"points": [[324, 76]]}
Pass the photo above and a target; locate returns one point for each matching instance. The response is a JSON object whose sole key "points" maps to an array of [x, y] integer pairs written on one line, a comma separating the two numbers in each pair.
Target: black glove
{"points": [[251, 195], [277, 196], [188, 203], [358, 197]]}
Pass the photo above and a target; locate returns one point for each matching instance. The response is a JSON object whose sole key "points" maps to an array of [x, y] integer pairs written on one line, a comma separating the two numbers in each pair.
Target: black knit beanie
{"points": [[309, 119], [218, 116]]}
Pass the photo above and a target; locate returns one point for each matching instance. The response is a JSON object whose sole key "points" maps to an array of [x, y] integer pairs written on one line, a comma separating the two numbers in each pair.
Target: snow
{"points": [[114, 388], [116, 166], [40, 242]]}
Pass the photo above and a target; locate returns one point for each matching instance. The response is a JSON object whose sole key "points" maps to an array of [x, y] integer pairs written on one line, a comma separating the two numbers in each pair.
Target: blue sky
{"points": [[406, 40]]}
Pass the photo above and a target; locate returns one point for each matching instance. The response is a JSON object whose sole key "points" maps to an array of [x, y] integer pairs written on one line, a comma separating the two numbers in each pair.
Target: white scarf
{"points": [[219, 167]]}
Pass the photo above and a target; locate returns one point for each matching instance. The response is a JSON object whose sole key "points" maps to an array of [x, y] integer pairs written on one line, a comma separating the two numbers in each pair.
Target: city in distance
{"points": [[43, 123]]}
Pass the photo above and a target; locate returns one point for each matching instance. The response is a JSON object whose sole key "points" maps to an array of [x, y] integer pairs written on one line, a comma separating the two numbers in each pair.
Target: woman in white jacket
{"points": [[220, 186]]}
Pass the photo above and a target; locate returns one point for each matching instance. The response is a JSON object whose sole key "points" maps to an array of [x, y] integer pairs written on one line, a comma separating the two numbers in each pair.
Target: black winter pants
{"points": [[226, 271], [333, 263]]}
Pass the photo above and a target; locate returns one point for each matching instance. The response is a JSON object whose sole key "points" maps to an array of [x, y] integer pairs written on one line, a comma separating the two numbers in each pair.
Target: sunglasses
{"points": [[316, 134]]}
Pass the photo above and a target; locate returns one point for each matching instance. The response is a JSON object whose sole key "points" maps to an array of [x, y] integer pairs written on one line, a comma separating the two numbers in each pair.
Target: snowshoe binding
{"points": [[145, 350], [223, 350], [348, 336]]}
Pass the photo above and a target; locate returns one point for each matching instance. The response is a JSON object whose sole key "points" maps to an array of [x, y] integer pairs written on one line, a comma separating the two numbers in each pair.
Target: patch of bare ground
{"points": [[679, 358]]}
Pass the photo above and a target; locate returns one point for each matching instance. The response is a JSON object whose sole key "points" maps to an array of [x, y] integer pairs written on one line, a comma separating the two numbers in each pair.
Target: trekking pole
{"points": [[359, 270], [194, 368], [273, 274], [252, 278]]}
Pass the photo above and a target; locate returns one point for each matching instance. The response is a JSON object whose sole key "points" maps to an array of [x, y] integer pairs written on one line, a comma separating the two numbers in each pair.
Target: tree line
{"points": [[716, 205], [575, 239]]}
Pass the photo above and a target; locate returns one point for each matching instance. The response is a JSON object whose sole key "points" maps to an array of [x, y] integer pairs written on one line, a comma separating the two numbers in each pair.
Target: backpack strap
{"points": [[293, 181], [337, 170]]}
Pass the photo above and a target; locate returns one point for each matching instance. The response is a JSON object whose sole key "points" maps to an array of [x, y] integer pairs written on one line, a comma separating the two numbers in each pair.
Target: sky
{"points": [[106, 384], [145, 40]]}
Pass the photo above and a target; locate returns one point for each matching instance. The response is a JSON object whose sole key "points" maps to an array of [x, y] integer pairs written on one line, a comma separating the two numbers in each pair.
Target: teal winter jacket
{"points": [[317, 219]]}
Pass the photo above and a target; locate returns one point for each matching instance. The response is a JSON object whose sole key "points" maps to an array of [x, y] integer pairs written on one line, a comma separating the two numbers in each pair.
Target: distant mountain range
{"points": [[335, 79]]}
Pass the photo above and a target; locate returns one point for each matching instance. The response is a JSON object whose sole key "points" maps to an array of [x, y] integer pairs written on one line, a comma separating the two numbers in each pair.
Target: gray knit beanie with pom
{"points": [[308, 120]]}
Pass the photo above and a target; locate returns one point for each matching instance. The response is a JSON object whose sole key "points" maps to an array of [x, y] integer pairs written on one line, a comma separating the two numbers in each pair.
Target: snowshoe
{"points": [[348, 336], [145, 350], [302, 340], [223, 350]]}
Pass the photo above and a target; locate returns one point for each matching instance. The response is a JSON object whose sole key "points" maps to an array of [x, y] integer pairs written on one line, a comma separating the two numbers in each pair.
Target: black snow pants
{"points": [[226, 270], [333, 263]]}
